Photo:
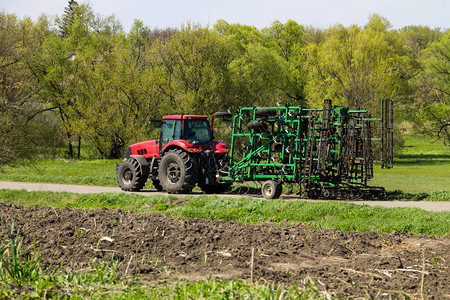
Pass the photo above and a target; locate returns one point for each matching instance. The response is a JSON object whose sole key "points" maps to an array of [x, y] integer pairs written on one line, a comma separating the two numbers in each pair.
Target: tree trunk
{"points": [[79, 147]]}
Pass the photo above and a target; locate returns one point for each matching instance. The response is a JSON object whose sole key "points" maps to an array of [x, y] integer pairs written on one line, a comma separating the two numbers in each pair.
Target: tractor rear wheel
{"points": [[130, 175], [178, 172], [271, 189]]}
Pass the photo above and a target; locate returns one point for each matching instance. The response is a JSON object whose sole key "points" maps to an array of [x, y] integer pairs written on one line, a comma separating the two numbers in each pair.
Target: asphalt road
{"points": [[88, 189]]}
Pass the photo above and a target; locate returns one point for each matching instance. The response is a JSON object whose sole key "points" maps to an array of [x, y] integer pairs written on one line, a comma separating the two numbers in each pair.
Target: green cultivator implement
{"points": [[327, 152]]}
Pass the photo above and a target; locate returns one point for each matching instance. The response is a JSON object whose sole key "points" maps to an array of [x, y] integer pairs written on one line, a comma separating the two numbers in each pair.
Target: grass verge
{"points": [[108, 283], [89, 172], [330, 214]]}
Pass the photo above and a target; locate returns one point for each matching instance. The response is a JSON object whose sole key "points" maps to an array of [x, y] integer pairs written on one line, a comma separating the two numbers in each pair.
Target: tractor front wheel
{"points": [[271, 189], [178, 172], [130, 175]]}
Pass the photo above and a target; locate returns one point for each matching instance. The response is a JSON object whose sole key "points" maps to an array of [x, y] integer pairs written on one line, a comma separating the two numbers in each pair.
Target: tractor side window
{"points": [[177, 134], [167, 131]]}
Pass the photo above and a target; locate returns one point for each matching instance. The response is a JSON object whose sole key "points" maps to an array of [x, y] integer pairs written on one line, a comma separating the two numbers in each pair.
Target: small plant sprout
{"points": [[16, 267], [205, 258]]}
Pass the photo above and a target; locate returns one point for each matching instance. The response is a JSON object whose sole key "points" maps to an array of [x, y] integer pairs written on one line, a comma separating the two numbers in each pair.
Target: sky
{"points": [[259, 13]]}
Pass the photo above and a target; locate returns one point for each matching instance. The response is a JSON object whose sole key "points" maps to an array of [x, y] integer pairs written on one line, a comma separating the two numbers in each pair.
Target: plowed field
{"points": [[162, 249]]}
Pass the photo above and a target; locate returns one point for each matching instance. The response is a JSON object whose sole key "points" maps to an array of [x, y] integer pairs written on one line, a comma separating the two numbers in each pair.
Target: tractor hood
{"points": [[150, 148], [147, 149]]}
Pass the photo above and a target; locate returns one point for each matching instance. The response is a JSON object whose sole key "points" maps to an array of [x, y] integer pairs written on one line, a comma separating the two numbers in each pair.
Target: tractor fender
{"points": [[180, 144], [145, 167]]}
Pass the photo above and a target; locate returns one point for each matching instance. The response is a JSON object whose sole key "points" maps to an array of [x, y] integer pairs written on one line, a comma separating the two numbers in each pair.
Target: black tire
{"points": [[257, 126], [266, 112], [271, 189], [130, 175], [312, 194], [329, 194], [178, 172], [222, 114], [314, 191], [279, 190], [216, 188], [157, 185]]}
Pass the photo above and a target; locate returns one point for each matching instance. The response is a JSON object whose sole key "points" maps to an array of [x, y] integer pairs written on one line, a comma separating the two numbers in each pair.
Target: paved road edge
{"points": [[90, 189]]}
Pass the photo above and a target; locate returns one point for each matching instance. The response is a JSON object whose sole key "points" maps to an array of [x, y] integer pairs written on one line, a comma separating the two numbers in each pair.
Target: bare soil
{"points": [[164, 249]]}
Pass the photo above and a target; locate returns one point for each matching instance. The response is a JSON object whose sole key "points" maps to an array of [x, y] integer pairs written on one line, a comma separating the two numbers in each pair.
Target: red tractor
{"points": [[184, 155]]}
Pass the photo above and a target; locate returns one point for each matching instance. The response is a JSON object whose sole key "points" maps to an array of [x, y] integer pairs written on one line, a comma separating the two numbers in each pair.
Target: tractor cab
{"points": [[190, 130]]}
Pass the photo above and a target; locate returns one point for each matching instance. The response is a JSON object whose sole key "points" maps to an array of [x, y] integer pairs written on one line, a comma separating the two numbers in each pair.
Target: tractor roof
{"points": [[185, 117]]}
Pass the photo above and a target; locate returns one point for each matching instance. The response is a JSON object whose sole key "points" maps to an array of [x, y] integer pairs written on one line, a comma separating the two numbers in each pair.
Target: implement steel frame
{"points": [[327, 152]]}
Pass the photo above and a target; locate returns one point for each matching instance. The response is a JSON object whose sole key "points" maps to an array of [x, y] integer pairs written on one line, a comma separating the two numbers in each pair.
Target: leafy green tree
{"points": [[71, 15], [418, 38], [96, 79], [255, 73], [358, 67], [269, 65], [314, 35], [115, 90], [289, 41], [191, 71], [433, 95], [55, 67], [21, 131]]}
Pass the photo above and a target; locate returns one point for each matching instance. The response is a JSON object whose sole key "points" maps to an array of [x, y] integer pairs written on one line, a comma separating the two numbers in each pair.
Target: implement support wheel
{"points": [[271, 189]]}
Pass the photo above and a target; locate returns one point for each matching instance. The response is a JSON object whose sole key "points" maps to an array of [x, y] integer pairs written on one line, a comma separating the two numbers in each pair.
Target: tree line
{"points": [[80, 77]]}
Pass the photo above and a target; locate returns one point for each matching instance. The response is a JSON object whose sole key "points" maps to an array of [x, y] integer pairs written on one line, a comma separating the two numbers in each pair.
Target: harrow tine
{"points": [[260, 184], [248, 188], [239, 189]]}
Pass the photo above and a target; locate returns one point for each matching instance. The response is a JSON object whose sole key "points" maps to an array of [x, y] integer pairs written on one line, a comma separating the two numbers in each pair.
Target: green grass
{"points": [[15, 267], [91, 172], [105, 282], [420, 167], [331, 214]]}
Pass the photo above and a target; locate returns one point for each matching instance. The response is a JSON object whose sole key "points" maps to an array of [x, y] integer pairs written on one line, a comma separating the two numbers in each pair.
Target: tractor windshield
{"points": [[197, 131]]}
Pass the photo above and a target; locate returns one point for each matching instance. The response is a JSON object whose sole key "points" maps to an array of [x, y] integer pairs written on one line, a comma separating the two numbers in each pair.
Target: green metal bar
{"points": [[239, 164]]}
